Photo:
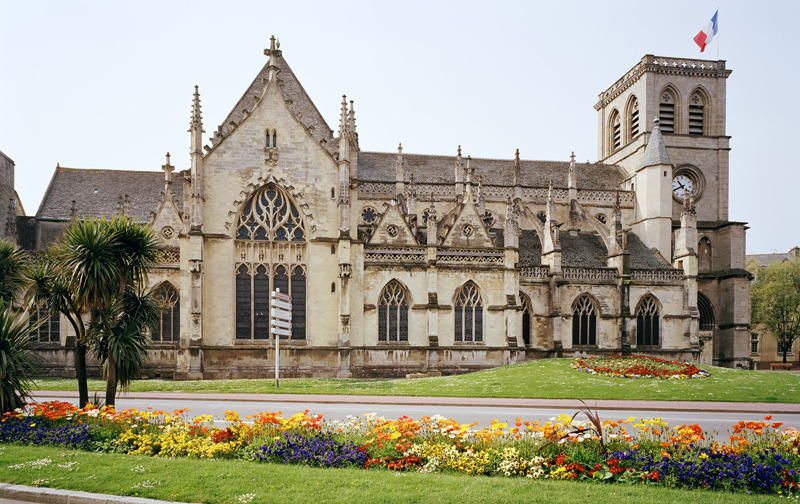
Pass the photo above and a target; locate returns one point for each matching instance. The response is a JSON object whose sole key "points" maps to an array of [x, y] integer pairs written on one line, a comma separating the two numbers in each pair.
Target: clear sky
{"points": [[109, 84]]}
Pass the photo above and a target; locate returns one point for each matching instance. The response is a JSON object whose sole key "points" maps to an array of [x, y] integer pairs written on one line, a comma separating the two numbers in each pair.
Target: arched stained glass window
{"points": [[393, 313], [269, 215], [270, 244], [469, 314], [647, 323], [584, 322], [169, 326]]}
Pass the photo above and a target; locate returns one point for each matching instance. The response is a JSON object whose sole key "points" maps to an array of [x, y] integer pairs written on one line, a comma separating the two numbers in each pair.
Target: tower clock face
{"points": [[681, 185]]}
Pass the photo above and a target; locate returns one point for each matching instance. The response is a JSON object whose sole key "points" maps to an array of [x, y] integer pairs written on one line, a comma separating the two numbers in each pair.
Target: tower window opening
{"points": [[617, 133], [274, 138], [666, 113], [696, 113]]}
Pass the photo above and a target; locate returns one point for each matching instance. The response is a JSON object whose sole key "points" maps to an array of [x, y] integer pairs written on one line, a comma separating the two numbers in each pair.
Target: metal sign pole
{"points": [[280, 324]]}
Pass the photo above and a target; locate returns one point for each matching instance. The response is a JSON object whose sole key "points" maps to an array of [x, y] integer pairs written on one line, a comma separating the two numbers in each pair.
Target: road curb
{"points": [[44, 495], [567, 404]]}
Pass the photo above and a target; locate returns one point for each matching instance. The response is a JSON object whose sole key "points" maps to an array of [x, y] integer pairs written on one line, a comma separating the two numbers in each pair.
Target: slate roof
{"points": [[96, 193], [764, 260], [587, 250], [300, 103], [428, 169]]}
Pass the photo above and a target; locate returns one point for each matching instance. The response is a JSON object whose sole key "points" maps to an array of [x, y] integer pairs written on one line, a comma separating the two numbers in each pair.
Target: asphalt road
{"points": [[710, 421]]}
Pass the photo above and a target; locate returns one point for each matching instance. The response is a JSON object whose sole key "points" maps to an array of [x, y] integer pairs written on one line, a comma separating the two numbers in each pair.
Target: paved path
{"points": [[566, 404]]}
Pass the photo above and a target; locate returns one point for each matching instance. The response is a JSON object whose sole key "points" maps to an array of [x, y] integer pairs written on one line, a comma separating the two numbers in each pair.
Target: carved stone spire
{"points": [[481, 197], [517, 177], [399, 171], [168, 169], [351, 123], [273, 52], [412, 196], [196, 123], [343, 119], [459, 175], [124, 206], [572, 178]]}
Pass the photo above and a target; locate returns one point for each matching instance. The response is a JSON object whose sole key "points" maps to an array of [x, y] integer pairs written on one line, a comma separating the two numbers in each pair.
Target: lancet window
{"points": [[584, 322], [666, 112], [469, 314], [647, 323], [527, 316], [393, 313], [615, 132], [50, 330], [270, 248], [633, 119], [169, 326], [696, 114]]}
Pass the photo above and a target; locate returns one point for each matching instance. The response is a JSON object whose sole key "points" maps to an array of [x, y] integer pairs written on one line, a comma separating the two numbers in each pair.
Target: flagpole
{"points": [[717, 33]]}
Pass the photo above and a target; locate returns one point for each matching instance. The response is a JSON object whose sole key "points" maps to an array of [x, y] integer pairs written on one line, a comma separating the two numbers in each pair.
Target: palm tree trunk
{"points": [[111, 379], [80, 371]]}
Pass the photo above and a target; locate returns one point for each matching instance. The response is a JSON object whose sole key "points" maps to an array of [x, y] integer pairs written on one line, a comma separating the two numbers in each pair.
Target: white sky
{"points": [[109, 84]]}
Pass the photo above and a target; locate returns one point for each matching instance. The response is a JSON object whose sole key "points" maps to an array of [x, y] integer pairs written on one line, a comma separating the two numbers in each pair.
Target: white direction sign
{"points": [[281, 304], [280, 314], [281, 296], [281, 323], [281, 332]]}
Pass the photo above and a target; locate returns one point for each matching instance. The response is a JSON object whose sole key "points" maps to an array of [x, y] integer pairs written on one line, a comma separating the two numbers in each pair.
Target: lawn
{"points": [[542, 379], [241, 482]]}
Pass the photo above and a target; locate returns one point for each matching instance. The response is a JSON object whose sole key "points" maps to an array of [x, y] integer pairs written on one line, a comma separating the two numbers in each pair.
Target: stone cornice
{"points": [[663, 65]]}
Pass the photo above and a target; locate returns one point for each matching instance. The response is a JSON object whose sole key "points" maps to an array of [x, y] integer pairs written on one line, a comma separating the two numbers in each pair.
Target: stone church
{"points": [[401, 263]]}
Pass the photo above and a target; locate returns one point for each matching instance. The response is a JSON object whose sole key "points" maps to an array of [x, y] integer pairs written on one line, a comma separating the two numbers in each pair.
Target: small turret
{"points": [[273, 52], [168, 169], [572, 178], [511, 226], [517, 177], [399, 171], [459, 176], [433, 228]]}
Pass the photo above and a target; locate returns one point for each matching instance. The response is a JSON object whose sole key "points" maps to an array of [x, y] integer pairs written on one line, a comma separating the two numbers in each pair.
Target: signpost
{"points": [[280, 322]]}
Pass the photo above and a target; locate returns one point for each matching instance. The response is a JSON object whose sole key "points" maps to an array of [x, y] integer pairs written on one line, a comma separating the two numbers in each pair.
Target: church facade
{"points": [[400, 263]]}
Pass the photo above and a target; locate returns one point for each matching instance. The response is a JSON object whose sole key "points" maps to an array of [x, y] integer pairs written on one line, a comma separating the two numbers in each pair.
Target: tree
{"points": [[775, 302], [105, 264], [12, 265], [49, 288], [17, 360]]}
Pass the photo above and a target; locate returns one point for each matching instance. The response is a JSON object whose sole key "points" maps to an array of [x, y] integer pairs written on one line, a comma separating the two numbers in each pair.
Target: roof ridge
{"points": [[115, 170], [488, 158]]}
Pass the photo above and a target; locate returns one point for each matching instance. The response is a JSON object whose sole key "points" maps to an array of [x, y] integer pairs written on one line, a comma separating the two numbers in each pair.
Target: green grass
{"points": [[542, 379], [226, 481]]}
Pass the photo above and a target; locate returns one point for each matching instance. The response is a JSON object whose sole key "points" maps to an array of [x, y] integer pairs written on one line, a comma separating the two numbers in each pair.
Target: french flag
{"points": [[707, 34]]}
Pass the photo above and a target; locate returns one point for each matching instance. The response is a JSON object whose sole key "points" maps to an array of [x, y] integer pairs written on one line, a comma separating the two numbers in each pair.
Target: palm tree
{"points": [[105, 265], [12, 265], [49, 288], [17, 360]]}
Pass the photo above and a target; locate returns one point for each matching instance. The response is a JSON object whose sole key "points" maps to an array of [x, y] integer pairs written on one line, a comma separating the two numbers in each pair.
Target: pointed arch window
{"points": [[615, 132], [633, 118], [469, 314], [50, 330], [704, 252], [527, 319], [696, 114], [706, 309], [666, 112], [647, 323], [270, 244], [393, 313], [169, 325], [584, 322]]}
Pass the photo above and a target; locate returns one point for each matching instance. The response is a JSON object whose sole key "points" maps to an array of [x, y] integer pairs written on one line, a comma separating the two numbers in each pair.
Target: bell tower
{"points": [[688, 99]]}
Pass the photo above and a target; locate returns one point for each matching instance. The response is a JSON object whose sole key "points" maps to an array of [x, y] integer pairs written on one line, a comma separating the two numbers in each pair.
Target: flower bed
{"points": [[757, 457], [638, 366]]}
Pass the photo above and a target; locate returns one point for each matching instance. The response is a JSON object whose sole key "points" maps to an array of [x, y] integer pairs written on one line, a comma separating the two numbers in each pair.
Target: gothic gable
{"points": [[468, 228], [392, 228]]}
